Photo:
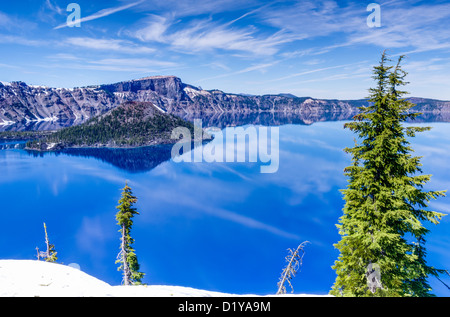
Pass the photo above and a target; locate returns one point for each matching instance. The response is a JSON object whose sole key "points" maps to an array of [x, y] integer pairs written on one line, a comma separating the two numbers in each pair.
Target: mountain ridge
{"points": [[24, 103]]}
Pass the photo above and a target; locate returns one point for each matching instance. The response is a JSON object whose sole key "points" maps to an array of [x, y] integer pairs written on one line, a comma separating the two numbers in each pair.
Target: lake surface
{"points": [[217, 226]]}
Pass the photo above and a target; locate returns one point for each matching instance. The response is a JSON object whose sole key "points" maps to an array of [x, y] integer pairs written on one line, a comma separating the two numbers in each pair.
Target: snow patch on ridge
{"points": [[159, 108], [194, 92], [6, 122], [46, 119]]}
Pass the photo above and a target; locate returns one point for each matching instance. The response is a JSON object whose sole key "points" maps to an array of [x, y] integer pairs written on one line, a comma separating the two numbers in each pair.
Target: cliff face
{"points": [[20, 102], [166, 92]]}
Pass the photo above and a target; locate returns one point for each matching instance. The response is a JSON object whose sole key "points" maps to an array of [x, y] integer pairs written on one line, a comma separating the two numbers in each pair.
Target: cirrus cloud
{"points": [[208, 35], [122, 46]]}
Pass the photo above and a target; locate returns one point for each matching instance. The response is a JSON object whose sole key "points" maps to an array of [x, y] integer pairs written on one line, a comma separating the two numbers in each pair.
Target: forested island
{"points": [[132, 124]]}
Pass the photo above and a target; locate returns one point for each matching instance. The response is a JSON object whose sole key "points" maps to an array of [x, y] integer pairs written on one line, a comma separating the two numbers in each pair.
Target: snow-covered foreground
{"points": [[27, 278]]}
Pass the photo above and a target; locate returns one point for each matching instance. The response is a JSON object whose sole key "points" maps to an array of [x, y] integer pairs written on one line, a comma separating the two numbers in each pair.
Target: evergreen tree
{"points": [[127, 256], [381, 228]]}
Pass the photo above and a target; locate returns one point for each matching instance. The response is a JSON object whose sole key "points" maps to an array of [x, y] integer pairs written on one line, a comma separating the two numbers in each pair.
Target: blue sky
{"points": [[322, 49]]}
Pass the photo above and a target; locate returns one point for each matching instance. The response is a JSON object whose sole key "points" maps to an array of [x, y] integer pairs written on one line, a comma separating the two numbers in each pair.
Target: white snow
{"points": [[6, 122], [5, 83], [159, 108], [308, 101], [46, 119], [51, 146], [38, 87], [119, 94], [193, 92], [28, 278]]}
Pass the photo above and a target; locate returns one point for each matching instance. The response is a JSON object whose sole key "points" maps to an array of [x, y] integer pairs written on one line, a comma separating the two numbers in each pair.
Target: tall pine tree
{"points": [[127, 257], [385, 204]]}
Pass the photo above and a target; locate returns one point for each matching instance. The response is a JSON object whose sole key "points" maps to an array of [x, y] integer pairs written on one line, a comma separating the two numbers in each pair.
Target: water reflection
{"points": [[12, 145], [144, 159], [135, 160], [223, 119], [39, 125], [132, 160]]}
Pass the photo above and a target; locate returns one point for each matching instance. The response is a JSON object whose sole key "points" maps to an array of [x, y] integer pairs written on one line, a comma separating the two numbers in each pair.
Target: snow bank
{"points": [[36, 278], [28, 278]]}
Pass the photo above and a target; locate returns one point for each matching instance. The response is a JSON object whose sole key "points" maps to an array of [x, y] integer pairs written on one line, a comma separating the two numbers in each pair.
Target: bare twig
{"points": [[294, 259], [443, 281]]}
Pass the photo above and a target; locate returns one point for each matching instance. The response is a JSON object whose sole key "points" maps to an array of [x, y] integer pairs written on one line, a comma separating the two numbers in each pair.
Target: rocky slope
{"points": [[20, 102]]}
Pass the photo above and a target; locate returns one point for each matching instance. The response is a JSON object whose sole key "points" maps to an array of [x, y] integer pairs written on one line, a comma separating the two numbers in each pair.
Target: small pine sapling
{"points": [[50, 254], [127, 257]]}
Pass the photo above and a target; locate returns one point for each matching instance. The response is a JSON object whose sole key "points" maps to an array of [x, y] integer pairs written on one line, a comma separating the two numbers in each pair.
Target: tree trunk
{"points": [[126, 270]]}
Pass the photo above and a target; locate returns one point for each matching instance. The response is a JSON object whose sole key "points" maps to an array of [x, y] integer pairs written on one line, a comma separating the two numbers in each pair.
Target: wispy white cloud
{"points": [[5, 20], [15, 23], [117, 64], [259, 67], [53, 7], [314, 18], [189, 8], [9, 66], [135, 65], [403, 25], [154, 29], [135, 62], [122, 46], [422, 27], [50, 12], [263, 7], [316, 70], [102, 13], [19, 40], [64, 56], [432, 64], [207, 35]]}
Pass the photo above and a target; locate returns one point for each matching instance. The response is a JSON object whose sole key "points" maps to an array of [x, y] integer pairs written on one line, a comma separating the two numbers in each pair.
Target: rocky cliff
{"points": [[22, 103], [27, 104]]}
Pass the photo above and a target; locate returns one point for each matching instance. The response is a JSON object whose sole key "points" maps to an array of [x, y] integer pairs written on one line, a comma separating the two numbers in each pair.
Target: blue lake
{"points": [[217, 226]]}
